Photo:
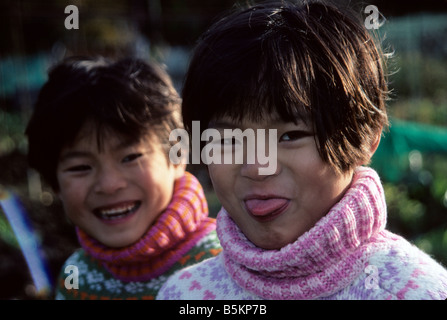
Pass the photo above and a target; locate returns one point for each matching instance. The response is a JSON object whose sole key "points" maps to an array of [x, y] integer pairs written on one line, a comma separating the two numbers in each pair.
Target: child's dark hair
{"points": [[129, 97], [309, 61]]}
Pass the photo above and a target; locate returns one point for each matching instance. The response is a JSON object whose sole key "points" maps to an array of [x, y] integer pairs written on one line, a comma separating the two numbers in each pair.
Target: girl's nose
{"points": [[261, 160], [109, 180], [257, 171]]}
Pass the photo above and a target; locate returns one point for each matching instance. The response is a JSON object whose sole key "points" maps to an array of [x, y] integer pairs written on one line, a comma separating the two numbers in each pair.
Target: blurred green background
{"points": [[411, 159]]}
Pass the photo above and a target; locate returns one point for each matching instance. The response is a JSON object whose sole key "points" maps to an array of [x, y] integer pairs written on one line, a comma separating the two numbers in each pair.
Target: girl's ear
{"points": [[375, 144], [373, 148], [179, 170]]}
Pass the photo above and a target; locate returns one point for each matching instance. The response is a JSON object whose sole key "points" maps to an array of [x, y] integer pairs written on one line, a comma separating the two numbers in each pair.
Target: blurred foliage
{"points": [[417, 206], [29, 26], [6, 232], [417, 202], [12, 128], [107, 27], [420, 76], [424, 110], [420, 89]]}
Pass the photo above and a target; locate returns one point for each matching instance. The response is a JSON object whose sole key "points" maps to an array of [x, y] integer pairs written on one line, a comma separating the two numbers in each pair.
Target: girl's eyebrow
{"points": [[124, 143], [73, 154]]}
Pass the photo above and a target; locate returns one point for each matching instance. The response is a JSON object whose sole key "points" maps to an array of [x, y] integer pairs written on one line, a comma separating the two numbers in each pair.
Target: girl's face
{"points": [[275, 209], [114, 194]]}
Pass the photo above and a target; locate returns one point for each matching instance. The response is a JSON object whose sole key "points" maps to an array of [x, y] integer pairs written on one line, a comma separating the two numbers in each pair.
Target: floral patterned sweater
{"points": [[95, 282]]}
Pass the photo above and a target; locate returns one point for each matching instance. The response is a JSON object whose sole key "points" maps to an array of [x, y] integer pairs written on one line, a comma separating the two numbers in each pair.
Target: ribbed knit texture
{"points": [[184, 222], [348, 254]]}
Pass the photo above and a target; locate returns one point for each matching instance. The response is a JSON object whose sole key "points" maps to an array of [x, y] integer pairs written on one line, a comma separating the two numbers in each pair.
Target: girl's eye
{"points": [[228, 141], [78, 168], [294, 135], [132, 157]]}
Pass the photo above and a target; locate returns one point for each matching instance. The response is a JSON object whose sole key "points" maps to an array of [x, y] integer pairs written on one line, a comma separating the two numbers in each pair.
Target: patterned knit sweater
{"points": [[182, 235], [348, 254], [95, 282]]}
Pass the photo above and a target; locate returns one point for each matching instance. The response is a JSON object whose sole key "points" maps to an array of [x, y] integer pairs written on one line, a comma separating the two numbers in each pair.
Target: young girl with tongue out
{"points": [[315, 227], [99, 135]]}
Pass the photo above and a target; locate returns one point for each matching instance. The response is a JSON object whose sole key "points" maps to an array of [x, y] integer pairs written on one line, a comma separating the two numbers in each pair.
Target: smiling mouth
{"points": [[117, 211]]}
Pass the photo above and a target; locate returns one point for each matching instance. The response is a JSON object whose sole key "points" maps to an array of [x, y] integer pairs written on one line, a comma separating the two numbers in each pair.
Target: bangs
{"points": [[264, 87], [100, 109], [100, 133]]}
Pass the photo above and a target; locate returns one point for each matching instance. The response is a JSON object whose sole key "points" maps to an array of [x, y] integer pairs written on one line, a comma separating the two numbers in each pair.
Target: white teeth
{"points": [[118, 212]]}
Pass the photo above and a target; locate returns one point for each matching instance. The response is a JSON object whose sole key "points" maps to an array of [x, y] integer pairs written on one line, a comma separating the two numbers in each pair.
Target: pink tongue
{"points": [[262, 207]]}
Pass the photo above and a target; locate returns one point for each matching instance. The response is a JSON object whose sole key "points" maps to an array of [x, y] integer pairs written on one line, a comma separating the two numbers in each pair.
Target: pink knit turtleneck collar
{"points": [[320, 262]]}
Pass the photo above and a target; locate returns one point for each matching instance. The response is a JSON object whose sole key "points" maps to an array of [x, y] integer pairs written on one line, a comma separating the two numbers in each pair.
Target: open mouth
{"points": [[117, 211]]}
